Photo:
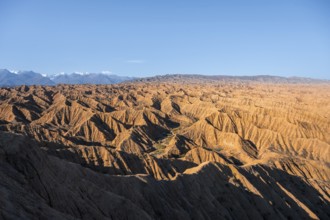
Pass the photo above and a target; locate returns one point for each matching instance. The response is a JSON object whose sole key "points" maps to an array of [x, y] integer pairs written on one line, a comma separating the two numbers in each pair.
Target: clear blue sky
{"points": [[147, 37]]}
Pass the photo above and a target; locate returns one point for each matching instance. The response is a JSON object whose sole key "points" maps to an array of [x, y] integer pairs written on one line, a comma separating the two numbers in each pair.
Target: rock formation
{"points": [[166, 148]]}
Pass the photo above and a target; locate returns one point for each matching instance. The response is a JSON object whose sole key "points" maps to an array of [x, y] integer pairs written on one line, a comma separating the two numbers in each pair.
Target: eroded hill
{"points": [[166, 149]]}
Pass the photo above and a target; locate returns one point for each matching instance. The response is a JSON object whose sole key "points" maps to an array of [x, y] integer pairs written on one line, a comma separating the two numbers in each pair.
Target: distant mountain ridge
{"points": [[89, 78], [11, 78], [185, 78]]}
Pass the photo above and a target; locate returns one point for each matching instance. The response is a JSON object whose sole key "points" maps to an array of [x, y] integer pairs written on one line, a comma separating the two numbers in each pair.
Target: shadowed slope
{"points": [[210, 190]]}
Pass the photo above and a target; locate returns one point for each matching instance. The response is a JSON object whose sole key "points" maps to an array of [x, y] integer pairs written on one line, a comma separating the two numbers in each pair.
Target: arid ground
{"points": [[166, 148]]}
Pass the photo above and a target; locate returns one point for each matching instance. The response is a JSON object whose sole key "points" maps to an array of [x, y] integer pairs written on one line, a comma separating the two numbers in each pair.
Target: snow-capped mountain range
{"points": [[15, 78]]}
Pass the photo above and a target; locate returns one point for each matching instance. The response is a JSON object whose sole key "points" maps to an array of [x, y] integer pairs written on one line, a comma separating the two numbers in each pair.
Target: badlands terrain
{"points": [[169, 147]]}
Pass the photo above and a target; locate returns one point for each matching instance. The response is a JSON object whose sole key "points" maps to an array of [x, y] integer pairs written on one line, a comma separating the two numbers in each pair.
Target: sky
{"points": [[152, 37]]}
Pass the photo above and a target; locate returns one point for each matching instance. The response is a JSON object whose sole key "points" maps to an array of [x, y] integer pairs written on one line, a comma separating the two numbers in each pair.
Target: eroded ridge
{"points": [[169, 149]]}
